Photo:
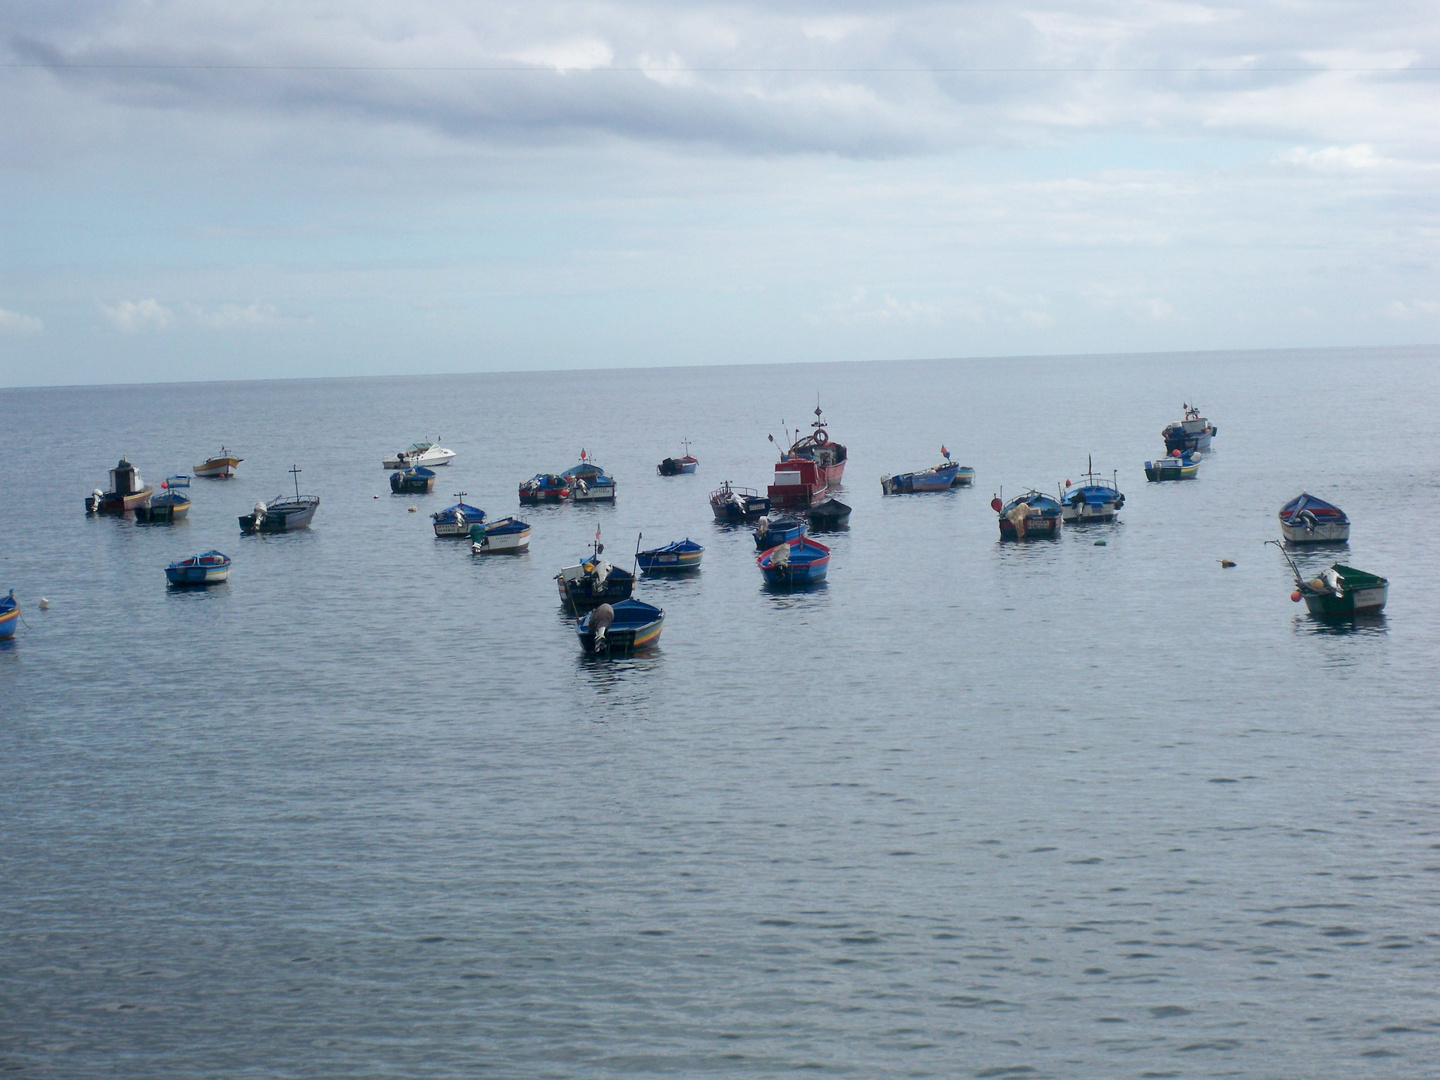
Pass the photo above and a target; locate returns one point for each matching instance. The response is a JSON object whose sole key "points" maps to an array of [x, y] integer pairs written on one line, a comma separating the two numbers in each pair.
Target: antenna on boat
{"points": [[635, 569], [295, 471]]}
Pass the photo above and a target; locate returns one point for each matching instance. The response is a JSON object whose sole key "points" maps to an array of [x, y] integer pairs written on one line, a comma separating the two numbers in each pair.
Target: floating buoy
{"points": [[412, 509], [996, 505], [1227, 563], [1099, 543], [1174, 453], [1295, 596], [44, 604], [374, 496]]}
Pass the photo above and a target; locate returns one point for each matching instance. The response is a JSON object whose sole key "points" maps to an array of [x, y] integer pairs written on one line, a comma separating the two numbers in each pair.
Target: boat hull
{"points": [[808, 564], [113, 503], [964, 476], [674, 558], [1037, 527], [593, 493], [1159, 471], [197, 575], [402, 484], [735, 505], [1086, 513], [9, 620], [779, 533], [449, 529], [280, 519], [217, 468], [636, 626], [428, 460], [919, 483], [163, 512], [1324, 533], [1368, 600], [499, 539], [829, 513]]}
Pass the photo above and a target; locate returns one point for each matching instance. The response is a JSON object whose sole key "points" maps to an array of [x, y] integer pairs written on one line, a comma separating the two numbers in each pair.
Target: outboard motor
{"points": [[259, 514], [600, 620], [92, 504]]}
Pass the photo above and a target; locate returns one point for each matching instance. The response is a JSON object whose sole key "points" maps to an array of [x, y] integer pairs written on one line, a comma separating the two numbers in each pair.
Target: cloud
{"points": [[14, 324], [1399, 309], [236, 317], [132, 316]]}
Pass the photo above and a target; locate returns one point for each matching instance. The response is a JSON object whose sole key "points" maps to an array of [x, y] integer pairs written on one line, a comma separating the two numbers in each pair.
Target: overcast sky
{"points": [[245, 189]]}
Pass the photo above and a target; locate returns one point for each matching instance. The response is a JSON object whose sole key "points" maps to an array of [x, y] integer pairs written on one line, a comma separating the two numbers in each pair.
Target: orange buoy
{"points": [[1295, 596], [1174, 453], [996, 504]]}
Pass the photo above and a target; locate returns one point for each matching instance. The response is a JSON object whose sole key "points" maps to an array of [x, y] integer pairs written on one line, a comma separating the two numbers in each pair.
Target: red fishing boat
{"points": [[799, 484], [820, 449]]}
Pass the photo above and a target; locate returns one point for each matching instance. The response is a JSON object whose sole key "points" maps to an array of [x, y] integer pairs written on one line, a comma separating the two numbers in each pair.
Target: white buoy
{"points": [[44, 604]]}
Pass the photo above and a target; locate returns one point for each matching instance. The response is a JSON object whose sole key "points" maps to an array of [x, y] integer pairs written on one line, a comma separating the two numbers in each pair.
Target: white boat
{"points": [[507, 536], [428, 454]]}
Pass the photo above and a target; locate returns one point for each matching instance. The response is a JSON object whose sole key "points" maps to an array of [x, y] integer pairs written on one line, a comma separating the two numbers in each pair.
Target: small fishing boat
{"points": [[801, 561], [775, 529], [414, 481], [1338, 591], [544, 488], [207, 568], [1308, 520], [675, 558], [799, 484], [283, 513], [619, 628], [457, 520], [818, 447], [939, 477], [594, 581], [1178, 466], [589, 482], [674, 466], [1028, 516], [964, 476], [1097, 499], [428, 454], [219, 466], [172, 504], [508, 536], [127, 491], [735, 504], [828, 513], [9, 615], [1190, 434]]}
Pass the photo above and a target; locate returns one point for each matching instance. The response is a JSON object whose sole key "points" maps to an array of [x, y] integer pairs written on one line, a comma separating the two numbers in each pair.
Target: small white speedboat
{"points": [[426, 454]]}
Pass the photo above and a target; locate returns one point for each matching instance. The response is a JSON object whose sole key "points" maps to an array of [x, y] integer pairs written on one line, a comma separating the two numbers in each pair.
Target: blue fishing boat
{"points": [[544, 488], [9, 615], [172, 504], [415, 481], [1027, 516], [939, 477], [508, 536], [775, 529], [457, 520], [675, 558], [1308, 520], [589, 482], [594, 581], [207, 568], [1178, 466], [1095, 500], [619, 628], [735, 504], [801, 561]]}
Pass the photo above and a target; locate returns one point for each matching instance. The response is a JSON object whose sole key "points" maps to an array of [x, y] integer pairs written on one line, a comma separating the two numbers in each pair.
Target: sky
{"points": [[246, 189]]}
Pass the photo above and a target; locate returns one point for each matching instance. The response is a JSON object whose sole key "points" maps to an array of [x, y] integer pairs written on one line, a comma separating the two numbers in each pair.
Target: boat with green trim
{"points": [[1338, 591]]}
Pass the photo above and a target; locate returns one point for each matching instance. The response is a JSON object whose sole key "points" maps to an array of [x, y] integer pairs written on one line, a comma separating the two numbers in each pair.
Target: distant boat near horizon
{"points": [[219, 466]]}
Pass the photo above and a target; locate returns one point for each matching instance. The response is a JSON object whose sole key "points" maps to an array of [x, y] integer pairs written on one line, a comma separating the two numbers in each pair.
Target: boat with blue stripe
{"points": [[9, 615], [1095, 500], [508, 536], [775, 529], [678, 557], [413, 481], [1178, 466], [1027, 516], [619, 628], [589, 482], [207, 568], [801, 561], [457, 520]]}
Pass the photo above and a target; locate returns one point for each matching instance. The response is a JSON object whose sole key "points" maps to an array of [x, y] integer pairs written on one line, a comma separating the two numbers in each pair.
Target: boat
{"points": [[1178, 466], [594, 581], [543, 488], [127, 491], [589, 482], [428, 454], [1308, 520], [964, 475], [801, 561], [413, 481], [207, 568], [508, 536], [734, 504], [775, 529], [1194, 432], [1097, 499], [817, 447], [939, 477], [828, 513], [1025, 517], [799, 483], [9, 615], [172, 504], [1338, 591], [457, 520], [283, 513], [219, 466], [673, 466], [679, 557], [619, 628]]}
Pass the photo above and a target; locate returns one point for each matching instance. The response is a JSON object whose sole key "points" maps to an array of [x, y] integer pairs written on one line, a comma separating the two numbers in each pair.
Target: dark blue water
{"points": [[972, 809]]}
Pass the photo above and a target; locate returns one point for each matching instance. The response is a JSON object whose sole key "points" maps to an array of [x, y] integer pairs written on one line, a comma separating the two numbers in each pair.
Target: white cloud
{"points": [[234, 316], [132, 316], [1158, 309], [1360, 156], [585, 54], [1399, 309], [14, 324]]}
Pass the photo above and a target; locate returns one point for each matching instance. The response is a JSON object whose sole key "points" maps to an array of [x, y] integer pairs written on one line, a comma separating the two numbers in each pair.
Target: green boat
{"points": [[1339, 591]]}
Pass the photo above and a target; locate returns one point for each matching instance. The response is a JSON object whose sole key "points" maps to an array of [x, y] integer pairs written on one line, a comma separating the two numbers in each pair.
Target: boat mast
{"points": [[295, 475]]}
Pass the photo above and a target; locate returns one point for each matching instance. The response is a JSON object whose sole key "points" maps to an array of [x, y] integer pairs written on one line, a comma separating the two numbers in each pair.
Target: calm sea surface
{"points": [[1042, 810]]}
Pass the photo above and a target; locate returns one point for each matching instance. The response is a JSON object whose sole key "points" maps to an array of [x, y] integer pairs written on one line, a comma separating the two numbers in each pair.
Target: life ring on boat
{"points": [[822, 437]]}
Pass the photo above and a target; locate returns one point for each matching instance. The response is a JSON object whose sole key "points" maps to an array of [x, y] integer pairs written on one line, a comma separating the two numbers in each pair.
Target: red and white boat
{"points": [[819, 448], [799, 484]]}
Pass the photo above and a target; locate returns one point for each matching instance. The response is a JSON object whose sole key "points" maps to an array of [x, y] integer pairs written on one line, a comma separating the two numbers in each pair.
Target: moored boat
{"points": [[818, 447], [735, 504], [594, 581], [207, 568], [675, 466], [508, 536], [457, 520], [801, 561], [127, 491], [9, 615], [172, 504], [964, 476], [678, 557], [417, 480], [589, 482], [1308, 520], [619, 628], [428, 454], [1097, 499], [799, 484], [939, 477], [219, 466], [544, 488], [775, 529], [1192, 433], [1033, 514], [828, 513], [283, 513], [1338, 591], [1178, 466]]}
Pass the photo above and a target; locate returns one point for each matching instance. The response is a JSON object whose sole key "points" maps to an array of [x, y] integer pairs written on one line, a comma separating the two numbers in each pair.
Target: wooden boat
{"points": [[1097, 499], [207, 568], [939, 477], [799, 483], [775, 529], [428, 454], [508, 536], [282, 514], [544, 488], [673, 466], [9, 615], [828, 513], [589, 482], [219, 466], [413, 481], [1027, 516], [801, 561], [735, 504], [1338, 591], [594, 581], [679, 557], [1192, 433], [964, 476], [127, 491], [172, 504], [1177, 466], [619, 628], [1308, 520], [457, 520], [818, 447]]}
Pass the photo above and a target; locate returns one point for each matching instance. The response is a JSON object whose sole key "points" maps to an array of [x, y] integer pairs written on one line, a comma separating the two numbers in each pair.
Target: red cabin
{"points": [[798, 483]]}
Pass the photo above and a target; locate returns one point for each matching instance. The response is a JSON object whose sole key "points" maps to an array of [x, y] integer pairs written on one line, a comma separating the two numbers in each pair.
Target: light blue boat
{"points": [[207, 568], [678, 557], [800, 562], [9, 615], [778, 529]]}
